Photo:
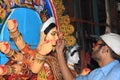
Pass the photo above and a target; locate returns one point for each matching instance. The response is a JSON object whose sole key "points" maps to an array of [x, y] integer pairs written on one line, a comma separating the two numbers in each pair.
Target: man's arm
{"points": [[67, 75]]}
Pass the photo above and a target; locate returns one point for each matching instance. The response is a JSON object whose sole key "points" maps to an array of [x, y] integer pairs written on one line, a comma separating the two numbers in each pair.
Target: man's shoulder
{"points": [[117, 67]]}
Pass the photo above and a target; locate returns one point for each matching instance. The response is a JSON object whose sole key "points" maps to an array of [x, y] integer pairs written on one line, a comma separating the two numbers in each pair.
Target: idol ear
{"points": [[42, 37]]}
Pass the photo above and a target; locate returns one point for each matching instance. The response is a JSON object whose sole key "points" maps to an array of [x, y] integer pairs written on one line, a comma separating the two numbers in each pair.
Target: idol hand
{"points": [[12, 25], [4, 47]]}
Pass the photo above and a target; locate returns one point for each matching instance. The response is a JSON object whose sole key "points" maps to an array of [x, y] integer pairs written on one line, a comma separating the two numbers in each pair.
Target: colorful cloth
{"points": [[50, 70]]}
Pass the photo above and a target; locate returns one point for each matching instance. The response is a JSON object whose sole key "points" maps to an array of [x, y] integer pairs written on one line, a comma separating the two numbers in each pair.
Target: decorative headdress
{"points": [[48, 25]]}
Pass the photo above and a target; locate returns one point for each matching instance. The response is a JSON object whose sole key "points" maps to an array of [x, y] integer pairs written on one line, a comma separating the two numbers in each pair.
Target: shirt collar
{"points": [[109, 66]]}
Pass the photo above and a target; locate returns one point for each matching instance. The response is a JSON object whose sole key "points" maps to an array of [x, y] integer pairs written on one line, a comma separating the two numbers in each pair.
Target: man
{"points": [[106, 52]]}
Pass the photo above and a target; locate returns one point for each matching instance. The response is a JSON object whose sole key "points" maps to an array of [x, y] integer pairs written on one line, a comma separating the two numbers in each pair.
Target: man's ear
{"points": [[105, 49]]}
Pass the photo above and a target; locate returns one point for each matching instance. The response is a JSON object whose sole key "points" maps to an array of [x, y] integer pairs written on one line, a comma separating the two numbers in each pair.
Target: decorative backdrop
{"points": [[44, 9]]}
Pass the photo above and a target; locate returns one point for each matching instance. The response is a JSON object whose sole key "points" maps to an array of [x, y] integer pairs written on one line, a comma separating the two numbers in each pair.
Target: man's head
{"points": [[109, 44], [113, 41]]}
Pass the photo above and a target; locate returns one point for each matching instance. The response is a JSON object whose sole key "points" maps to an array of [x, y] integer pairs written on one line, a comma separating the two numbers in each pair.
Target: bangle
{"points": [[10, 53], [13, 57], [9, 70], [14, 34], [40, 57]]}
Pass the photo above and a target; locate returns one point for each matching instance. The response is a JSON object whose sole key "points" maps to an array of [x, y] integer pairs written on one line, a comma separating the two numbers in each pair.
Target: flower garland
{"points": [[64, 24]]}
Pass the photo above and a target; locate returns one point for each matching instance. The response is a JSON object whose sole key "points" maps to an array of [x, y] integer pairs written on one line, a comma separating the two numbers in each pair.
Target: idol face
{"points": [[52, 36]]}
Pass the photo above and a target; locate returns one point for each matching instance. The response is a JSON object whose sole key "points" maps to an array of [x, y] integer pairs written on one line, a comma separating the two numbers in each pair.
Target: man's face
{"points": [[97, 50]]}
